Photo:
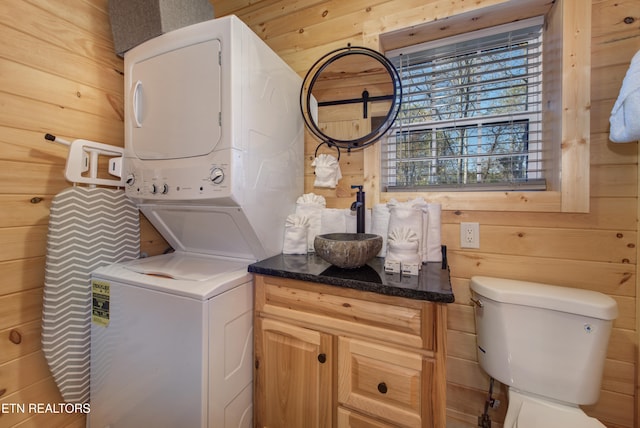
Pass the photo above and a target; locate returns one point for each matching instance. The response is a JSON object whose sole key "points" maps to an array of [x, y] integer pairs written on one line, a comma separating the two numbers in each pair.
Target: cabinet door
{"points": [[293, 376], [383, 382]]}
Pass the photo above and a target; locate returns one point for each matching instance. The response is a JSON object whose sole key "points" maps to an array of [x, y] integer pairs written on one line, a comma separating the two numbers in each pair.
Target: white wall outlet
{"points": [[469, 235]]}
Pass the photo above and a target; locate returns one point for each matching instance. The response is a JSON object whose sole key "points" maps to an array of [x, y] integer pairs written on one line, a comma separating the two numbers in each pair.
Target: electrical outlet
{"points": [[470, 235]]}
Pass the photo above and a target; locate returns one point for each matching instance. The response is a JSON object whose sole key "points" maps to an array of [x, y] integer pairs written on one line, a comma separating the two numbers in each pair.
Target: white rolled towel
{"points": [[333, 220], [625, 115], [310, 206], [380, 225], [432, 244], [404, 245], [296, 228], [327, 171]]}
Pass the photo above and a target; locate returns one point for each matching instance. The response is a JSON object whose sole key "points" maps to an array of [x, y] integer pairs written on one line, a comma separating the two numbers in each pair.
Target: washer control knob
{"points": [[153, 189], [217, 175], [130, 180], [165, 189]]}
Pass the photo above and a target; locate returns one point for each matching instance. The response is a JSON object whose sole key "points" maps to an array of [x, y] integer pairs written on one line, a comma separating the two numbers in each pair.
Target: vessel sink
{"points": [[347, 250]]}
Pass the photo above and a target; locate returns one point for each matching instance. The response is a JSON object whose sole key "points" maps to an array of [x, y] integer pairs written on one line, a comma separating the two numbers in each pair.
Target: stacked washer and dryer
{"points": [[213, 158]]}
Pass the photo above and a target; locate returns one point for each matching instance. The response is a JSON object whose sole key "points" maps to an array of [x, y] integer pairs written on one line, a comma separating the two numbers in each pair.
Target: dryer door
{"points": [[175, 98]]}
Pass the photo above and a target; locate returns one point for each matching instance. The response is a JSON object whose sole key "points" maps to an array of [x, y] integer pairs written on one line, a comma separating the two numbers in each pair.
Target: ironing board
{"points": [[88, 228]]}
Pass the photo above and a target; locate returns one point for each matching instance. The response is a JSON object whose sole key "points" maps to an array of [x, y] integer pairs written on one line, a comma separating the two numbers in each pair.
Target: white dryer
{"points": [[213, 158]]}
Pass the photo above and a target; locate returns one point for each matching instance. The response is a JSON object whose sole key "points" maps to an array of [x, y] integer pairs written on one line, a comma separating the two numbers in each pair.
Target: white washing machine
{"points": [[173, 352], [214, 159]]}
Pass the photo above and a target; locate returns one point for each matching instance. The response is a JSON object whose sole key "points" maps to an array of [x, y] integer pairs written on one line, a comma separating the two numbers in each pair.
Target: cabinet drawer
{"points": [[398, 320], [349, 419], [382, 381]]}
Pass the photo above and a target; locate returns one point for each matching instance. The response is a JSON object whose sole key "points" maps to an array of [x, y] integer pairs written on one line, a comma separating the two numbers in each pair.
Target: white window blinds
{"points": [[471, 113]]}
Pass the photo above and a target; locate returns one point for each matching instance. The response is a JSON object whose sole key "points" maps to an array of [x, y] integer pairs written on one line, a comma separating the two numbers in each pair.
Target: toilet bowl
{"points": [[547, 344]]}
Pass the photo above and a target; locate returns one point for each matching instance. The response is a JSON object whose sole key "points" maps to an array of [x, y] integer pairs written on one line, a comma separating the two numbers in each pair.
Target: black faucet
{"points": [[359, 207]]}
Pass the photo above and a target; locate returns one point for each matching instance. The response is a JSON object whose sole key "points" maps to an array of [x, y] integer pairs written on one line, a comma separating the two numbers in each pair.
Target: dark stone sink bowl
{"points": [[347, 250]]}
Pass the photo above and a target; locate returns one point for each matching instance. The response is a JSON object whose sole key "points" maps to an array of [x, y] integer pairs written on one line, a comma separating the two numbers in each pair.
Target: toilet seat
{"points": [[526, 411]]}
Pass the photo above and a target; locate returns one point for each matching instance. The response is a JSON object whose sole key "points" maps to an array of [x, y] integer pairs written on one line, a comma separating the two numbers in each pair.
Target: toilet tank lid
{"points": [[564, 299]]}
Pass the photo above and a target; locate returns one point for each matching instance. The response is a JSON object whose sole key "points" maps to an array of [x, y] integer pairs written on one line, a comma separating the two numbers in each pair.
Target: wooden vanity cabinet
{"points": [[329, 356]]}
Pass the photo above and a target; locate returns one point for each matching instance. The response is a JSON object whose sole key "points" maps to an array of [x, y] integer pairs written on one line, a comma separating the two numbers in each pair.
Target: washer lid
{"points": [[214, 230], [189, 267], [168, 273], [564, 299]]}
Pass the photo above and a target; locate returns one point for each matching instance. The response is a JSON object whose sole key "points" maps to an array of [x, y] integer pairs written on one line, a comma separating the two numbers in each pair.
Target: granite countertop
{"points": [[432, 284]]}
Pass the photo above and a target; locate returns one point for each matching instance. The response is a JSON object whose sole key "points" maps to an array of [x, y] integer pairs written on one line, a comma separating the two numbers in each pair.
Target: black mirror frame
{"points": [[311, 78]]}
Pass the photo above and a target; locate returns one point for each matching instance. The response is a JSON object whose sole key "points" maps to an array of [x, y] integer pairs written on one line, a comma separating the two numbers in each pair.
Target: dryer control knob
{"points": [[131, 179], [165, 189], [153, 189], [217, 175]]}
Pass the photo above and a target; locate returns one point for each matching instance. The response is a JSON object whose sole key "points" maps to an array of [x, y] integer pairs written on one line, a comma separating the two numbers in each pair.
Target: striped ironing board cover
{"points": [[88, 228]]}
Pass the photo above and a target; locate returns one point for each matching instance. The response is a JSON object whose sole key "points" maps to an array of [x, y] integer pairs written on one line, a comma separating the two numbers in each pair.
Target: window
{"points": [[471, 117]]}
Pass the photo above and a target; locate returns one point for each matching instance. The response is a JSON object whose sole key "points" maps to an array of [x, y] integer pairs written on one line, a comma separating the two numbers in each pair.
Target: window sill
{"points": [[534, 201]]}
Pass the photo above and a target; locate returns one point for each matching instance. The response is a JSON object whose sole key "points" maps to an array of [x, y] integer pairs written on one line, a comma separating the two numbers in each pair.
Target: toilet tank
{"points": [[543, 339]]}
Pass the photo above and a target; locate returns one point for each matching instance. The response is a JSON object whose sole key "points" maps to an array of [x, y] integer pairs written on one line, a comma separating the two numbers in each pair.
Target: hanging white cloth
{"points": [[625, 115], [327, 171]]}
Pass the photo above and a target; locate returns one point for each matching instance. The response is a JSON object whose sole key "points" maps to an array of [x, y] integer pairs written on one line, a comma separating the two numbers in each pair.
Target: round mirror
{"points": [[350, 97]]}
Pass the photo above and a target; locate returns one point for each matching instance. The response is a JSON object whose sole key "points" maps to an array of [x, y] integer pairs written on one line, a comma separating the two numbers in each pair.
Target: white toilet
{"points": [[547, 344]]}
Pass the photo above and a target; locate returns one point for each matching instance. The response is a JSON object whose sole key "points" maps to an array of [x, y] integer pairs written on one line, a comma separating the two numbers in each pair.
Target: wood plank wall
{"points": [[58, 74], [594, 251]]}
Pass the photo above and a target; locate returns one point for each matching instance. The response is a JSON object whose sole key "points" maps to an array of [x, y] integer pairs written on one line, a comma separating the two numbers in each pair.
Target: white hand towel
{"points": [[625, 115], [296, 228], [327, 171], [333, 220], [432, 249], [380, 225], [351, 221], [310, 206], [404, 246]]}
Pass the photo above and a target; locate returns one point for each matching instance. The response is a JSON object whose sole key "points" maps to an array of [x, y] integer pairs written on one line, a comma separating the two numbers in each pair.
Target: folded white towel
{"points": [[432, 246], [380, 225], [404, 246], [351, 221], [327, 171], [625, 115], [310, 206], [311, 199], [410, 215], [333, 220], [296, 228]]}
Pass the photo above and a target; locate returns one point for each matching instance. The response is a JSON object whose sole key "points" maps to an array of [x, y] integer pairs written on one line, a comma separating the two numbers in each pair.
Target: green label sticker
{"points": [[100, 305]]}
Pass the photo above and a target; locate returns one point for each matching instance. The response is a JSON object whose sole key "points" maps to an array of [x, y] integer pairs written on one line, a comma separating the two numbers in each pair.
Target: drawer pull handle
{"points": [[382, 387], [322, 358]]}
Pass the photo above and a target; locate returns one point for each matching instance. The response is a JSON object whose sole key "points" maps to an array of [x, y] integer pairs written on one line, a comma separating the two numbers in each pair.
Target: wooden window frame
{"points": [[566, 105]]}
